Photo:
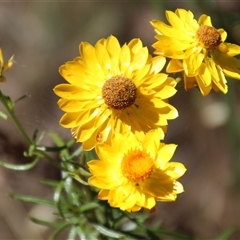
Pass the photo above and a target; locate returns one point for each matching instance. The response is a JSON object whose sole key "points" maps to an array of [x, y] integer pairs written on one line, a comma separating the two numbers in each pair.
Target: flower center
{"points": [[209, 36], [137, 166], [119, 92]]}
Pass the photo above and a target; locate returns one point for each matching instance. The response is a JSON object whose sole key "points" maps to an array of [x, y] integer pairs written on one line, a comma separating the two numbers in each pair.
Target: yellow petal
{"points": [[135, 45], [201, 80], [174, 65], [151, 141], [140, 58], [175, 21], [158, 63], [165, 153], [205, 20], [175, 170], [125, 58], [223, 34], [233, 49]]}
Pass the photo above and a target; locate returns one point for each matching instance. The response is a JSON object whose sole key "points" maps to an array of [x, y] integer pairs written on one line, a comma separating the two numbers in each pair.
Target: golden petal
{"points": [[139, 59], [151, 141], [204, 20], [165, 153], [175, 170], [233, 49], [135, 45], [113, 47], [223, 34], [158, 63], [125, 58], [175, 21], [174, 65]]}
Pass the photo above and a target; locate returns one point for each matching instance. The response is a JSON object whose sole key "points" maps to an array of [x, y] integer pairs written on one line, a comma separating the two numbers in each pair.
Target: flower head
{"points": [[114, 89], [134, 174], [4, 66], [198, 49]]}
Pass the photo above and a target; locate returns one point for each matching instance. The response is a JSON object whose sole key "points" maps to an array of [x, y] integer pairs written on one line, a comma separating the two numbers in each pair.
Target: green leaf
{"points": [[21, 98], [76, 153], [90, 155], [107, 232], [77, 177], [88, 206], [47, 223], [57, 139], [174, 235], [31, 151], [152, 236], [3, 115], [51, 183], [57, 198], [58, 230], [34, 137], [226, 234], [9, 102], [72, 233], [21, 167], [32, 199]]}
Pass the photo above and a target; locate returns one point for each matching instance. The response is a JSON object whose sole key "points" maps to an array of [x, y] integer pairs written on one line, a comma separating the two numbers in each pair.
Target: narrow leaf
{"points": [[88, 206], [22, 167], [32, 199], [58, 230], [226, 234], [57, 197], [90, 155], [107, 232], [77, 177], [3, 115], [47, 223]]}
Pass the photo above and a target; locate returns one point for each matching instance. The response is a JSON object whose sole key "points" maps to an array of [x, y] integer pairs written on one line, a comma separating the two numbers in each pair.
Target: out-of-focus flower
{"points": [[4, 66], [114, 89], [134, 174], [198, 49]]}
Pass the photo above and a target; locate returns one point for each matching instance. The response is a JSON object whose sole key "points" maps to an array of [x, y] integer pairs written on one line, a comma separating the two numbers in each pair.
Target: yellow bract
{"points": [[114, 89], [198, 50], [4, 66], [134, 174]]}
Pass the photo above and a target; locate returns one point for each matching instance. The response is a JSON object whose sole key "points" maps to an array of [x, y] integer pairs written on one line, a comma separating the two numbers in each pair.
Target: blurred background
{"points": [[43, 35]]}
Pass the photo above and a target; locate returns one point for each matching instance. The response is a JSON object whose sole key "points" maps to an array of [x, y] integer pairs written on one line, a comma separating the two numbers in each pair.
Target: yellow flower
{"points": [[114, 89], [4, 66], [198, 49], [134, 174]]}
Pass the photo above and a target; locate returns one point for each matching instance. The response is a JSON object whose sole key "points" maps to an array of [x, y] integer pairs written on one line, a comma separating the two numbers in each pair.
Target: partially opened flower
{"points": [[4, 66], [134, 174], [198, 49], [114, 89]]}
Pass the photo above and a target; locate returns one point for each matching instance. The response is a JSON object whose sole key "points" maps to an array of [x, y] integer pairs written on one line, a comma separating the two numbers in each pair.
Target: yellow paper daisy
{"points": [[133, 174], [114, 89], [4, 66], [198, 49]]}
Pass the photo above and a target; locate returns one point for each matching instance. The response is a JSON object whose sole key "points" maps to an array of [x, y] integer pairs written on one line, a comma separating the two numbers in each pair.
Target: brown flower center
{"points": [[137, 166], [209, 36], [119, 92]]}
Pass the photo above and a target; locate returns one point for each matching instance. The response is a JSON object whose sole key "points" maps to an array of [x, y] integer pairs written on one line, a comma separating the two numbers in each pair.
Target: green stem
{"points": [[14, 118], [8, 104], [49, 158]]}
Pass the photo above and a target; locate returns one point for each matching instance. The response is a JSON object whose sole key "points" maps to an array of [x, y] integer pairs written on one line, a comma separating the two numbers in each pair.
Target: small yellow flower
{"points": [[114, 89], [134, 174], [4, 66], [198, 49]]}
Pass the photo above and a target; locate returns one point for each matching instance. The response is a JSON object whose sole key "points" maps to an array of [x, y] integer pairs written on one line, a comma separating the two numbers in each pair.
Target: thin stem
{"points": [[10, 109], [14, 118], [49, 158]]}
